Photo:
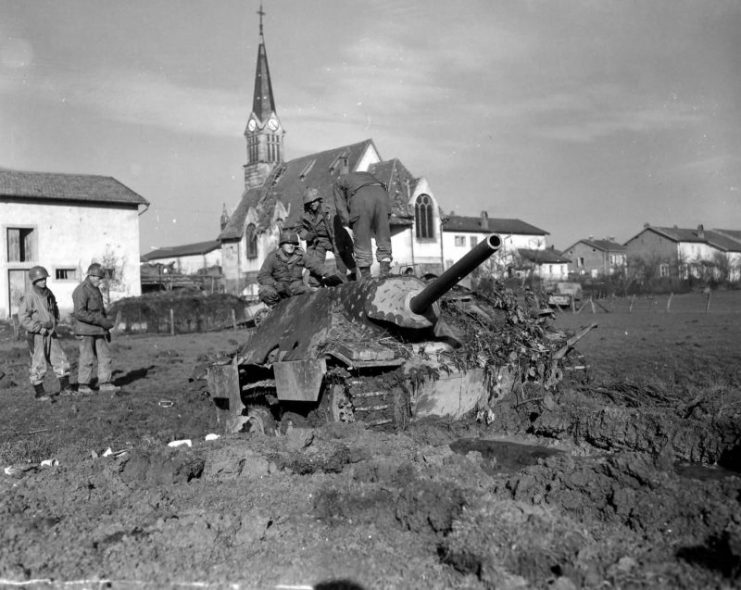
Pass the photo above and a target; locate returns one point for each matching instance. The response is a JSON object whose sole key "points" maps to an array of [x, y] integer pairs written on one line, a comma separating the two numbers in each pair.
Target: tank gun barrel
{"points": [[442, 284]]}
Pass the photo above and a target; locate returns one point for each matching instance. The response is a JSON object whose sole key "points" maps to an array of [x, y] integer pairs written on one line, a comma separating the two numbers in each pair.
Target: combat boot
{"points": [[109, 387], [39, 394], [385, 269], [64, 386], [365, 272]]}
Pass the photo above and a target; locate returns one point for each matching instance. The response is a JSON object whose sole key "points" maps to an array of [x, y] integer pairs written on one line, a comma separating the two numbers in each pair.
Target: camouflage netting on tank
{"points": [[188, 311], [502, 329]]}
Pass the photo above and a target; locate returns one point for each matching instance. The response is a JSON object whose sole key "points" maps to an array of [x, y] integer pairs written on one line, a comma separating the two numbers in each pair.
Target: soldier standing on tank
{"points": [[92, 327], [39, 316], [363, 205], [316, 230], [281, 275]]}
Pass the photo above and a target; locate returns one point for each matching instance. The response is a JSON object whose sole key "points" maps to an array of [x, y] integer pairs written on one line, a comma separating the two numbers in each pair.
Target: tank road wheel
{"points": [[381, 406], [260, 419], [340, 408]]}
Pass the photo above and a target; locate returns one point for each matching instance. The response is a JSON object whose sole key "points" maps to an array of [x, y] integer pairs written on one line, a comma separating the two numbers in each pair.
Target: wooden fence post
{"points": [[632, 301], [172, 322], [669, 302], [707, 305], [234, 320]]}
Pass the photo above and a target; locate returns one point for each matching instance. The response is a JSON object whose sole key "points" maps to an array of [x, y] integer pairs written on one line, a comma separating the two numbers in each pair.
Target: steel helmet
{"points": [[311, 195], [37, 273], [95, 270], [288, 237]]}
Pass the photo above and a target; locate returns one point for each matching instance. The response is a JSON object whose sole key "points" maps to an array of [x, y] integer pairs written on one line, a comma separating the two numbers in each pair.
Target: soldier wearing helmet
{"points": [[92, 327], [281, 275], [316, 229], [39, 316]]}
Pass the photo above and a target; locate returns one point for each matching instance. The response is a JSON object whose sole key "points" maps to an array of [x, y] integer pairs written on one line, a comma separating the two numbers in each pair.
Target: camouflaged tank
{"points": [[377, 351]]}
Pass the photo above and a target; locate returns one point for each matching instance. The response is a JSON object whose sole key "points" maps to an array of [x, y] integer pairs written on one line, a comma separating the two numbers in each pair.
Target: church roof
{"points": [[288, 181], [66, 187]]}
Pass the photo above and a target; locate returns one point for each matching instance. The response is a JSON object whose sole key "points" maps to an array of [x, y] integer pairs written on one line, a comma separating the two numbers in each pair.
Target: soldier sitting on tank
{"points": [[281, 275], [316, 230]]}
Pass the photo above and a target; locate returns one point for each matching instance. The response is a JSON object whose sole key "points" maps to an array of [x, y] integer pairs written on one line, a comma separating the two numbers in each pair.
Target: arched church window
{"points": [[251, 238], [424, 217]]}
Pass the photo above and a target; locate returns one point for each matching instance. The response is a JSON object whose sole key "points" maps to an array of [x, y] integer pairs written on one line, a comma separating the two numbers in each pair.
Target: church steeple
{"points": [[264, 132]]}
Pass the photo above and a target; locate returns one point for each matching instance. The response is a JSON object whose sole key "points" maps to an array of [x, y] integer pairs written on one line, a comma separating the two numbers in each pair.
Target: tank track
{"points": [[378, 403]]}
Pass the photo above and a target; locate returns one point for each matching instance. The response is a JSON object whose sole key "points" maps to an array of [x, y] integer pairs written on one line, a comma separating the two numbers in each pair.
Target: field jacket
{"points": [[357, 185], [38, 309], [279, 269], [90, 316], [316, 228]]}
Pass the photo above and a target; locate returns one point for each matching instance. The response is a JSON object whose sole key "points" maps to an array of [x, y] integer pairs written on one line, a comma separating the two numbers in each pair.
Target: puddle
{"points": [[503, 456], [704, 472]]}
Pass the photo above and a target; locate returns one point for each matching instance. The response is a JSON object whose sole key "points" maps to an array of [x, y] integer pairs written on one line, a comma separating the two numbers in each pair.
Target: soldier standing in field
{"points": [[39, 316], [364, 206], [92, 327]]}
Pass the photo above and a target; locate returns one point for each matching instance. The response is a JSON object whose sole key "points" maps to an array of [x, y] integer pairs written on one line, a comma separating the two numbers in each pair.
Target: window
{"points": [[663, 270], [472, 241], [65, 274], [251, 236], [424, 217], [580, 261], [21, 244], [460, 240]]}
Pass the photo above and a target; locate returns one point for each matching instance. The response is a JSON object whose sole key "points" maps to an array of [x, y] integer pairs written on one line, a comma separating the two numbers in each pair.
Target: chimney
{"points": [[701, 232], [485, 220], [646, 225], [610, 238]]}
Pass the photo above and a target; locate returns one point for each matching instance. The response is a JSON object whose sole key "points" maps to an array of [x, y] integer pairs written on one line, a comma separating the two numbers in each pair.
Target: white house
{"points": [[64, 222], [460, 234]]}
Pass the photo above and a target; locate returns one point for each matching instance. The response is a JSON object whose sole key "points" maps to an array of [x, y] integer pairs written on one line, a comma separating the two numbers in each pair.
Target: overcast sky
{"points": [[580, 117]]}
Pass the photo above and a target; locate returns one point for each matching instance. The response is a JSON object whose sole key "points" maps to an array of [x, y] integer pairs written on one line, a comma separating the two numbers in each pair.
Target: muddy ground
{"points": [[629, 481]]}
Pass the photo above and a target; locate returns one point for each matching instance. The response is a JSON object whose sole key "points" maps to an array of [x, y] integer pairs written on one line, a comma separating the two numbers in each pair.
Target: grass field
{"points": [[684, 346]]}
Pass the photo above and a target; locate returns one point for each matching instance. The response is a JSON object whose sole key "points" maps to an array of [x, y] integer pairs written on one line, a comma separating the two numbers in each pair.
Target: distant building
{"points": [[548, 264], [64, 222], [681, 252], [595, 258], [187, 259], [460, 234]]}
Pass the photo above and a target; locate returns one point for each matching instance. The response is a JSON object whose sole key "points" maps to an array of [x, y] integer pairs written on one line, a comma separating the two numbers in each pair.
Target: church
{"points": [[274, 186]]}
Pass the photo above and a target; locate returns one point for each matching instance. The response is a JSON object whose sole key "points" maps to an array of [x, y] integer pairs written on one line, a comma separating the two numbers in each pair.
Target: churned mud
{"points": [[615, 484]]}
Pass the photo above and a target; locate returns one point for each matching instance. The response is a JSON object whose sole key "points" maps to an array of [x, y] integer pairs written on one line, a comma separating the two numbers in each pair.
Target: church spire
{"points": [[263, 104], [264, 132]]}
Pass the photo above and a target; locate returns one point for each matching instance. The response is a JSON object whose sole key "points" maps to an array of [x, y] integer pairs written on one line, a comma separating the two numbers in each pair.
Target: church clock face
{"points": [[251, 125], [273, 124]]}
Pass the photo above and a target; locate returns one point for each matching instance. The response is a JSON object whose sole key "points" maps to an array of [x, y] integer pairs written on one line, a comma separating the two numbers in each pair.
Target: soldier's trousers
{"points": [[92, 347], [369, 217], [46, 351]]}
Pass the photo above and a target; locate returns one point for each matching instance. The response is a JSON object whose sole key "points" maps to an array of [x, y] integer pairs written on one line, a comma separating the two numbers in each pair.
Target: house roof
{"points": [[713, 238], [184, 250], [456, 223], [66, 187], [288, 181], [603, 245], [734, 234], [547, 256]]}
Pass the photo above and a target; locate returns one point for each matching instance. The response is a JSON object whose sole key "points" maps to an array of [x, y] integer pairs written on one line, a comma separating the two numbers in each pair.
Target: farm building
{"points": [[596, 258], [681, 253], [64, 222], [187, 259]]}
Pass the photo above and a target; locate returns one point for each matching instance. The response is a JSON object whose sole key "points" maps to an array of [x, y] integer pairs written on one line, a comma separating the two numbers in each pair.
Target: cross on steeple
{"points": [[261, 12]]}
